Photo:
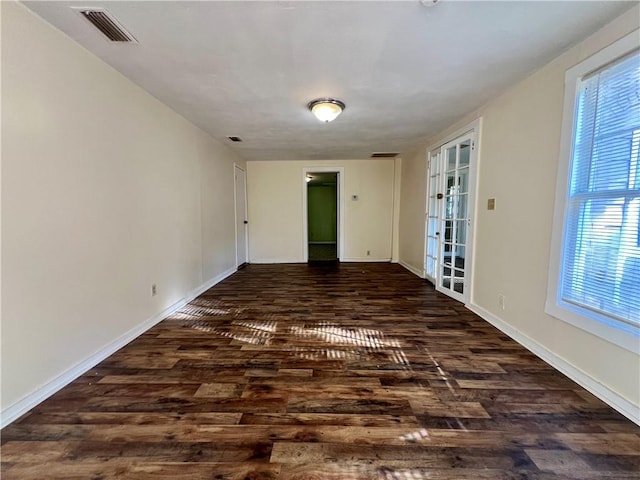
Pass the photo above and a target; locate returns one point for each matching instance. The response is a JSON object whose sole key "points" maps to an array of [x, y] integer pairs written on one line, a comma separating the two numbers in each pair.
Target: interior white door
{"points": [[434, 201], [241, 216], [450, 204], [455, 235]]}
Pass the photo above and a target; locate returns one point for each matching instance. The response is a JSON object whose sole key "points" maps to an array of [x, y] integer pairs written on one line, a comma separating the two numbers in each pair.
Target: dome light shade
{"points": [[326, 109]]}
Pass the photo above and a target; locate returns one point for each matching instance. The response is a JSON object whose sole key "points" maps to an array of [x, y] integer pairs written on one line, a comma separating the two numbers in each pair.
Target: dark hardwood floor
{"points": [[351, 371]]}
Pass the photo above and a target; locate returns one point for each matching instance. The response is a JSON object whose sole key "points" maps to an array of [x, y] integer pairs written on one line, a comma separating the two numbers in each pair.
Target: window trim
{"points": [[618, 333]]}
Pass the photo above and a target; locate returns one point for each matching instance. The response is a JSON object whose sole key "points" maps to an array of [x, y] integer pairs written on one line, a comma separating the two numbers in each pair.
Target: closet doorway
{"points": [[322, 212], [322, 216]]}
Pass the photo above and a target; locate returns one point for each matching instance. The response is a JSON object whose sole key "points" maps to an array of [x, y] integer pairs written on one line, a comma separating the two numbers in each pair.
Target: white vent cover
{"points": [[108, 25]]}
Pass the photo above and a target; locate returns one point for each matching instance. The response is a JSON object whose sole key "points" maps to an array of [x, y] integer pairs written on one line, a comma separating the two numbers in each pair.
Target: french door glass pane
{"points": [[461, 231], [458, 281], [460, 255], [463, 180], [433, 207], [435, 167], [462, 206], [430, 264], [451, 182], [451, 159], [448, 230], [433, 225], [465, 153]]}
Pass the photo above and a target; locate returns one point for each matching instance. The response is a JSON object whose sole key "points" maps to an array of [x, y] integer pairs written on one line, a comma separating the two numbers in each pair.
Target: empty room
{"points": [[338, 240]]}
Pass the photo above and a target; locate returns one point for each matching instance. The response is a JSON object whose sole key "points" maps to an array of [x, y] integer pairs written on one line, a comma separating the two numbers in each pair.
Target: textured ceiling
{"points": [[404, 71]]}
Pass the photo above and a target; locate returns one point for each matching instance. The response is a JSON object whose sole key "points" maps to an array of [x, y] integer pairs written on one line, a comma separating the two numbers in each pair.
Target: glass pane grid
{"points": [[433, 215], [455, 217]]}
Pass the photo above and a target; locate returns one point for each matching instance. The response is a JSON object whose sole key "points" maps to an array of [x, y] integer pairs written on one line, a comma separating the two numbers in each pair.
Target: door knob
{"points": [[246, 221]]}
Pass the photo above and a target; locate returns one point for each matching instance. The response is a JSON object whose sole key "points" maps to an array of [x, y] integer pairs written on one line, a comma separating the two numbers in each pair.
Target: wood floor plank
{"points": [[123, 468], [123, 418], [305, 372]]}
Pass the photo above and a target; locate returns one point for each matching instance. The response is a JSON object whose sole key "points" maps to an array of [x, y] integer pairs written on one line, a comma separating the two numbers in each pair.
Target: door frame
{"points": [[237, 167], [474, 129], [305, 212]]}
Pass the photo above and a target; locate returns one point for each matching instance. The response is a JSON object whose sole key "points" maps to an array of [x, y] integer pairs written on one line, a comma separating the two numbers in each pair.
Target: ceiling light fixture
{"points": [[326, 109]]}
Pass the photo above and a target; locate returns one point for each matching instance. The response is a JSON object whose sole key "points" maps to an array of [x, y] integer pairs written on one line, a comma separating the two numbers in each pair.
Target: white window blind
{"points": [[600, 259]]}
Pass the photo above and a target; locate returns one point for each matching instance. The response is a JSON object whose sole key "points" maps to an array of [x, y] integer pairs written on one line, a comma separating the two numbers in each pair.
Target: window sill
{"points": [[618, 333]]}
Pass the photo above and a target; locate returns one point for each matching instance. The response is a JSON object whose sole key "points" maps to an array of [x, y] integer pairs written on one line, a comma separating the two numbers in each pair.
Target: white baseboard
{"points": [[364, 259], [298, 260], [277, 260], [26, 403], [203, 288], [412, 269], [611, 398]]}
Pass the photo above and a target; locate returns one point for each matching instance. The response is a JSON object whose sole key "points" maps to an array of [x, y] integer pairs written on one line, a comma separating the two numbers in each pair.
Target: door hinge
{"points": [[473, 145]]}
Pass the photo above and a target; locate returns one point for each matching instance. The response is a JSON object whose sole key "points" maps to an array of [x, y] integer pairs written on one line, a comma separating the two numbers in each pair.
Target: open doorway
{"points": [[337, 181], [322, 216]]}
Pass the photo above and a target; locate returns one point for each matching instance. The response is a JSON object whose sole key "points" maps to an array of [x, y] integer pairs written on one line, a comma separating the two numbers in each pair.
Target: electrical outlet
{"points": [[368, 252], [154, 290], [502, 301]]}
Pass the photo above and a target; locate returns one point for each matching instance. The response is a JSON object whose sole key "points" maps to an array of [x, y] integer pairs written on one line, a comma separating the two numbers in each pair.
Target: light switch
{"points": [[491, 204]]}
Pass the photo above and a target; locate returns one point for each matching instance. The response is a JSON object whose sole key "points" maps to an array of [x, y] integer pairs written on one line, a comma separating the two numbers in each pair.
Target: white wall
{"points": [[519, 150], [412, 211], [275, 193], [104, 191]]}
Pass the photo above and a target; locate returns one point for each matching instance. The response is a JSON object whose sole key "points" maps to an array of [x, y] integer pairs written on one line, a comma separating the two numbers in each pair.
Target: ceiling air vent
{"points": [[107, 25], [384, 154]]}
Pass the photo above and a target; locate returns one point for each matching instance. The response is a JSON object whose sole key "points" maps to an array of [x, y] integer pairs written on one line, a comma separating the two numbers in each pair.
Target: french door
{"points": [[450, 204], [432, 252]]}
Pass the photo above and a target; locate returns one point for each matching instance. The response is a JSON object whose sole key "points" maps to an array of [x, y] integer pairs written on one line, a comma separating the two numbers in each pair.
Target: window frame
{"points": [[619, 333]]}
